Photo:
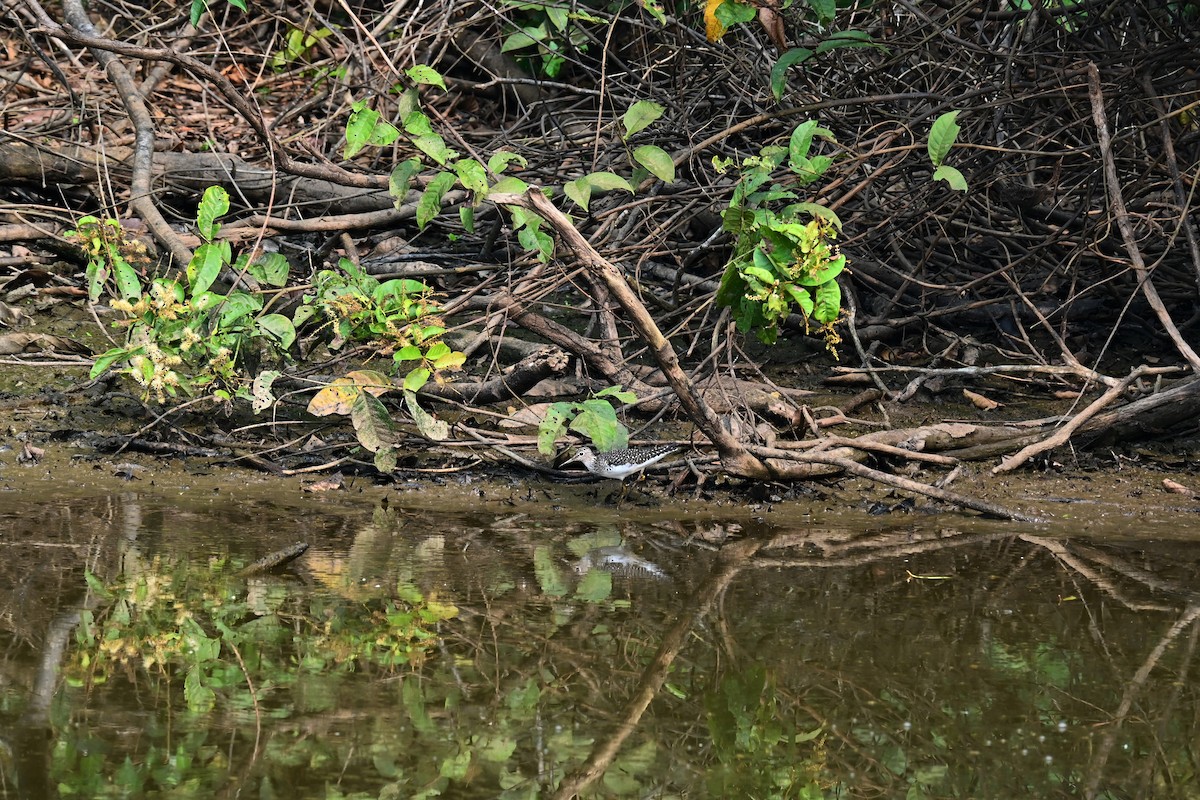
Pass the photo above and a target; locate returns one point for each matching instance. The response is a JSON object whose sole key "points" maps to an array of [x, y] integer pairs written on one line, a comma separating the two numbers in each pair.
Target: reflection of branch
{"points": [[1095, 771], [1061, 550], [868, 551], [31, 743], [733, 559]]}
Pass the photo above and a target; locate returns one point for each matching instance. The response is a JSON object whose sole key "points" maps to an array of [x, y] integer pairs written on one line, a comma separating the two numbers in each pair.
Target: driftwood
{"points": [[515, 381]]}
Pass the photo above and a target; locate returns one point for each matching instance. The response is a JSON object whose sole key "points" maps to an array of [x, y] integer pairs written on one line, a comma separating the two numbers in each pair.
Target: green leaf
{"points": [[473, 177], [805, 301], [385, 460], [951, 176], [797, 55], [618, 394], [828, 304], [429, 426], [732, 287], [607, 182], [466, 218], [816, 210], [279, 328], [942, 136], [596, 586], [359, 128], [552, 426], [640, 115], [200, 699], [452, 360], [656, 160], [106, 360], [509, 185], [501, 159], [801, 143], [214, 203], [558, 15], [431, 199], [401, 179], [549, 577], [126, 276], [407, 353], [760, 274], [205, 265], [197, 11], [236, 306], [437, 350], [579, 191], [455, 767], [847, 38], [597, 420], [415, 379], [825, 272], [421, 73], [525, 37], [434, 146], [825, 10], [733, 12], [271, 269]]}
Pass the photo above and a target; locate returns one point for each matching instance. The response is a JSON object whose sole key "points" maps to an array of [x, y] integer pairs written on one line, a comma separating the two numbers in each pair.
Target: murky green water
{"points": [[522, 646]]}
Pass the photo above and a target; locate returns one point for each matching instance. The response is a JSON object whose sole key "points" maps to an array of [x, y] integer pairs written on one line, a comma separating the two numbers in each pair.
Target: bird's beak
{"points": [[574, 459]]}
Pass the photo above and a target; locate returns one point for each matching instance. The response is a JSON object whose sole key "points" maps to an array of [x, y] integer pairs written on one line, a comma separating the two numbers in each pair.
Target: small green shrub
{"points": [[784, 258]]}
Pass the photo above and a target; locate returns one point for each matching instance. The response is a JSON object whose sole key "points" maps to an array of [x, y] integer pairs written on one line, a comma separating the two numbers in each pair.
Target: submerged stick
{"points": [[275, 560]]}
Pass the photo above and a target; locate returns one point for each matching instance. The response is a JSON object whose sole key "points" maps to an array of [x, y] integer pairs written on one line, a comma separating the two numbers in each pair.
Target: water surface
{"points": [[530, 642]]}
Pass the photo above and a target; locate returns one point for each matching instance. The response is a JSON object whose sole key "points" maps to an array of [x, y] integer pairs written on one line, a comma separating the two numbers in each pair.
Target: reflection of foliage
{"points": [[230, 643], [506, 699], [759, 754]]}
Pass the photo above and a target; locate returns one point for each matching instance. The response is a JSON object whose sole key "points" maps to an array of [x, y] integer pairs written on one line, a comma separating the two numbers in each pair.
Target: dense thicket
{"points": [[1042, 263]]}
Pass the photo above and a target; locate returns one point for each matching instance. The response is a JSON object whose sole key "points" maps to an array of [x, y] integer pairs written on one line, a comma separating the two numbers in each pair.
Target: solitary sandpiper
{"points": [[620, 464]]}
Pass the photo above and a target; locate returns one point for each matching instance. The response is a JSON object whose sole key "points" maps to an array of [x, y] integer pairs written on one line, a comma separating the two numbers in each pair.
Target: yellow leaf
{"points": [[336, 398], [339, 396], [372, 382], [712, 26]]}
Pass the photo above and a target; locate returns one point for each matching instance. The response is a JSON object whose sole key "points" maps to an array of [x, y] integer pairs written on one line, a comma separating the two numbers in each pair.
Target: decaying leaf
{"points": [[372, 423], [430, 426], [11, 315], [14, 343], [772, 23], [981, 402], [712, 26], [339, 396], [334, 481], [1179, 488], [30, 454]]}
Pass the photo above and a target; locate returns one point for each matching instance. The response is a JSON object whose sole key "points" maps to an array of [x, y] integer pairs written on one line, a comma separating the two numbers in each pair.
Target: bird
{"points": [[620, 464]]}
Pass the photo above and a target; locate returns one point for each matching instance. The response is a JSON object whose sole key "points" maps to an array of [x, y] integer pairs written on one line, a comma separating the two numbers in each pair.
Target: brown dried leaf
{"points": [[1178, 488], [773, 24], [332, 483], [14, 343], [30, 454], [981, 402]]}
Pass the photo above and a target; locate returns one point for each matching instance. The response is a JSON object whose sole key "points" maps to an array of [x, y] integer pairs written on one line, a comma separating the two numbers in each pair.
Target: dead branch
{"points": [[734, 456], [1116, 198]]}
